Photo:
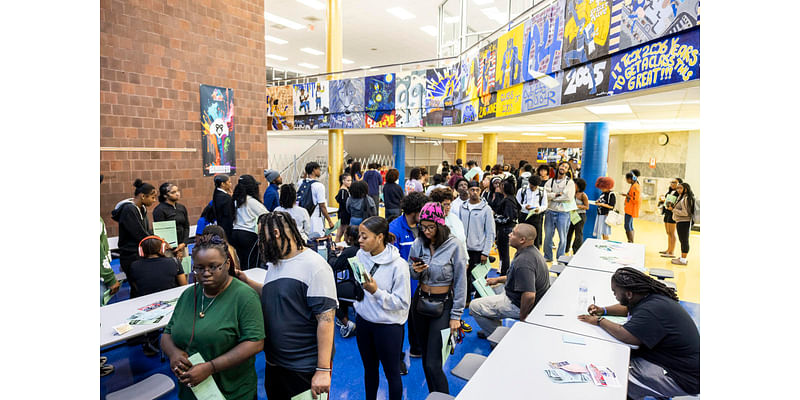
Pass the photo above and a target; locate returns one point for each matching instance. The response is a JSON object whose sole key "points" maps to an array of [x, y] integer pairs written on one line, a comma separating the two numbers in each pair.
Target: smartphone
{"points": [[416, 260]]}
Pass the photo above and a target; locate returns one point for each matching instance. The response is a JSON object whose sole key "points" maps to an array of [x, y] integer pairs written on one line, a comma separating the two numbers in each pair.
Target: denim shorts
{"points": [[628, 223]]}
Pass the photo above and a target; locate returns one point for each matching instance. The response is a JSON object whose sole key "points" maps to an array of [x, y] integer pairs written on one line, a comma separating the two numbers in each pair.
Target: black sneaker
{"points": [[482, 334]]}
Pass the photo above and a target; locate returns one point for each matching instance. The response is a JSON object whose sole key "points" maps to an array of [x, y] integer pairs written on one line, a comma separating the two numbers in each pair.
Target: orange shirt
{"points": [[634, 200]]}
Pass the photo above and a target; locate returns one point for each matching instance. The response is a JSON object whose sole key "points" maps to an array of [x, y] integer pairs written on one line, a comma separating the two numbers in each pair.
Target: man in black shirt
{"points": [[667, 363]]}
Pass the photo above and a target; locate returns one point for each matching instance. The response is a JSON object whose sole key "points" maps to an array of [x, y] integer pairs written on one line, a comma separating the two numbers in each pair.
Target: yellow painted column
{"points": [[461, 151], [333, 62], [489, 150]]}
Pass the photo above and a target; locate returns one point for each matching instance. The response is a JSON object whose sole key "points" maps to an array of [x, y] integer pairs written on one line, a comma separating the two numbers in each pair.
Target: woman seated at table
{"points": [[221, 320]]}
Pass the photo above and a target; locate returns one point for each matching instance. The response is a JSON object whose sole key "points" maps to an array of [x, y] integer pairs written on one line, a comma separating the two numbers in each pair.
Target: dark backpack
{"points": [[304, 196]]}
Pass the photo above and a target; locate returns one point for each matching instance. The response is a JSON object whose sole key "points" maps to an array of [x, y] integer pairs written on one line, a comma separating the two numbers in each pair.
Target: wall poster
{"points": [[586, 30], [409, 99], [586, 81], [280, 108], [216, 118], [379, 101]]}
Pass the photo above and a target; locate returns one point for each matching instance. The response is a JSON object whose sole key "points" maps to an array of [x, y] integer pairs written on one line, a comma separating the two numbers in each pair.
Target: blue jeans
{"points": [[628, 223], [555, 220]]}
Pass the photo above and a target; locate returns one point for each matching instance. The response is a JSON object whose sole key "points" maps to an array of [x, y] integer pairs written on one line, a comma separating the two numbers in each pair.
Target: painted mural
{"points": [[644, 20], [439, 89], [280, 108], [540, 94], [379, 101], [444, 117], [468, 110], [409, 98], [509, 101], [466, 77], [487, 106], [488, 69], [318, 121], [586, 30], [542, 49], [347, 120], [510, 49], [218, 133], [586, 81], [347, 95]]}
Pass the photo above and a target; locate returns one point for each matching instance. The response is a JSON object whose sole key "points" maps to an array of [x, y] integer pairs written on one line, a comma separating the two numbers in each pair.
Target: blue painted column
{"points": [[399, 152], [593, 165]]}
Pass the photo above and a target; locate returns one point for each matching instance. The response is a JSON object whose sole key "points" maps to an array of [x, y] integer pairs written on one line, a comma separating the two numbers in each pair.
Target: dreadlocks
{"points": [[274, 248], [208, 241], [637, 282]]}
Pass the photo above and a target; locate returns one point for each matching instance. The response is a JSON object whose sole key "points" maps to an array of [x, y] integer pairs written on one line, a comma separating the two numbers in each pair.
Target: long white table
{"points": [[117, 313], [515, 368], [606, 255]]}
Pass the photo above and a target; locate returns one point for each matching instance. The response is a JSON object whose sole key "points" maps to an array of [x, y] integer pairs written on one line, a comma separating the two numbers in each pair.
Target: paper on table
{"points": [[602, 376], [357, 269], [561, 376], [483, 288], [167, 231], [481, 270], [307, 396], [447, 344], [573, 339], [616, 320], [207, 389]]}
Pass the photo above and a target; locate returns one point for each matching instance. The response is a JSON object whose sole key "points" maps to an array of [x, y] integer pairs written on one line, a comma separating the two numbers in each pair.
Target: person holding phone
{"points": [[669, 199], [604, 204], [382, 312], [438, 261]]}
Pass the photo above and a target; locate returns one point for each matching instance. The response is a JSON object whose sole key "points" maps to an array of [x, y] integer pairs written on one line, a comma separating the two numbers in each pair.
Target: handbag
{"points": [[614, 218], [429, 306]]}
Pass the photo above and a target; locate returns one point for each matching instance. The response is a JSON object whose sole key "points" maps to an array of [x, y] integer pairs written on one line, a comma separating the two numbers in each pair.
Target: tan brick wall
{"points": [[154, 55]]}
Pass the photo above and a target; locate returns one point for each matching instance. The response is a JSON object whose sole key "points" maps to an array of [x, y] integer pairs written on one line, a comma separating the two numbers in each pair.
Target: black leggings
{"points": [[535, 221], [428, 330], [380, 343], [683, 234], [576, 229], [245, 244], [283, 384], [502, 247]]}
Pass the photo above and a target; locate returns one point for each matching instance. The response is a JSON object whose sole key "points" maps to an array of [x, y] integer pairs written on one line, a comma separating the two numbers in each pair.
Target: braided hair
{"points": [[269, 246], [208, 241], [637, 282]]}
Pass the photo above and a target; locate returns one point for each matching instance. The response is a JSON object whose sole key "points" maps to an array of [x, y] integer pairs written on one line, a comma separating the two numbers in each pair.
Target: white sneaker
{"points": [[679, 261], [348, 330]]}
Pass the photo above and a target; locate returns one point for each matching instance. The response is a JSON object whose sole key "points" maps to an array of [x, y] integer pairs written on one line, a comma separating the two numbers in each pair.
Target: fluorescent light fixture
{"points": [[482, 2], [430, 30], [311, 51], [313, 4], [610, 109], [451, 20], [532, 134], [346, 61], [273, 39], [453, 134], [556, 137], [307, 65], [283, 21], [511, 141], [401, 13], [274, 57]]}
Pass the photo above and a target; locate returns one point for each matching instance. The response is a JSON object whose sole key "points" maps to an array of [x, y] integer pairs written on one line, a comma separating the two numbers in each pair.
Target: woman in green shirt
{"points": [[221, 320]]}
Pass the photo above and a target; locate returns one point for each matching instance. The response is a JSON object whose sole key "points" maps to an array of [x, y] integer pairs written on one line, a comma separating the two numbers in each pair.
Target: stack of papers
{"points": [[152, 313], [447, 344], [566, 372], [481, 270], [358, 270], [483, 288]]}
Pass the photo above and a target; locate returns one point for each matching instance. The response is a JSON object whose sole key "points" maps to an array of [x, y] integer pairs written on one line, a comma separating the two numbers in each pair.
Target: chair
{"points": [[439, 396], [557, 268], [565, 259], [468, 365], [661, 273], [151, 388], [498, 334]]}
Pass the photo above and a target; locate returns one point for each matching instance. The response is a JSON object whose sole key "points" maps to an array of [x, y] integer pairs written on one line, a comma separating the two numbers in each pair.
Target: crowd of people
{"points": [[417, 265]]}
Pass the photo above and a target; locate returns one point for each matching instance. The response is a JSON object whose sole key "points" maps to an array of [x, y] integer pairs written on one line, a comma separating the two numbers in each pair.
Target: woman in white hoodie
{"points": [[384, 308]]}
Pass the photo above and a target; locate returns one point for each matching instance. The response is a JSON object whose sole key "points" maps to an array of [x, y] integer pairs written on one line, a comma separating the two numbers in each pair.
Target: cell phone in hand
{"points": [[416, 260]]}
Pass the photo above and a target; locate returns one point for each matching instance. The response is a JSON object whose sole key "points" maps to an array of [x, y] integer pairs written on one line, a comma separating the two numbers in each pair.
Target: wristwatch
{"points": [[600, 318]]}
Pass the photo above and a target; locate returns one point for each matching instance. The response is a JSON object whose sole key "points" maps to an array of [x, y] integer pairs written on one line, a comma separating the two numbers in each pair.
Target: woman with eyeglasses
{"points": [[222, 320]]}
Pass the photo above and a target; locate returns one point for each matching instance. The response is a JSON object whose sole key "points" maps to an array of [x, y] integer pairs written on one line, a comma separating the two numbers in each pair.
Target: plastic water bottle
{"points": [[583, 298]]}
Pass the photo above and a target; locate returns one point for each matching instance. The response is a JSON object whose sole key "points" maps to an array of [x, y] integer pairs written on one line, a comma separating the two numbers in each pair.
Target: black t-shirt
{"points": [[392, 194], [606, 198], [669, 339], [150, 275], [528, 273], [341, 198], [166, 212]]}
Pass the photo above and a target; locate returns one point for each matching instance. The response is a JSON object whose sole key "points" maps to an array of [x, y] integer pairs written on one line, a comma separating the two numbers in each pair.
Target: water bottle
{"points": [[583, 298]]}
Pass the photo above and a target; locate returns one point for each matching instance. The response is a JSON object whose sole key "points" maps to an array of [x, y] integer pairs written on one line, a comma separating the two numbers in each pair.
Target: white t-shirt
{"points": [[317, 219], [247, 216], [455, 206], [301, 219]]}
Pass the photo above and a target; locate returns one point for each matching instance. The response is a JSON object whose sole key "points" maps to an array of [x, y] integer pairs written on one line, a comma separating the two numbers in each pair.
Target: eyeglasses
{"points": [[212, 268], [427, 228]]}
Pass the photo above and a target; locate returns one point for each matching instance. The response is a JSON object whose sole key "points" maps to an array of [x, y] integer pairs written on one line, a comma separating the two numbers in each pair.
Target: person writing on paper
{"points": [[560, 201], [131, 214], [527, 281], [298, 299], [478, 220], [667, 362], [383, 311], [288, 204], [168, 209], [604, 204], [220, 318], [533, 201], [437, 260]]}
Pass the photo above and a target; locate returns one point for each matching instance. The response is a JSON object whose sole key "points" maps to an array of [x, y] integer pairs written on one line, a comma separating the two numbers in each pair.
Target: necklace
{"points": [[203, 307]]}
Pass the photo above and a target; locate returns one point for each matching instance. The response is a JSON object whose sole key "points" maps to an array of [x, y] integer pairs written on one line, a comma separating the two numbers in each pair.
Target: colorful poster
{"points": [[379, 101], [347, 120], [347, 95], [540, 94], [509, 101], [586, 30], [310, 98], [488, 69], [280, 109], [409, 98], [216, 118], [542, 49], [586, 81], [468, 111], [671, 60], [487, 106], [468, 68], [510, 50], [645, 20], [443, 117], [439, 89], [306, 122]]}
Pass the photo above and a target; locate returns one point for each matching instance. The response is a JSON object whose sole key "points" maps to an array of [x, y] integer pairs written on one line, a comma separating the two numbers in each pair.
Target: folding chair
{"points": [[468, 365], [151, 388]]}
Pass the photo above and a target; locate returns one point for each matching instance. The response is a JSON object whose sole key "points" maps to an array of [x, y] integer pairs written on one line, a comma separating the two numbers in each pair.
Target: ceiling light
{"points": [[401, 13], [556, 137], [453, 134], [313, 4], [273, 39], [274, 57], [532, 134], [482, 2], [307, 65], [346, 61], [451, 20], [283, 21], [511, 141], [610, 109], [430, 30], [311, 51]]}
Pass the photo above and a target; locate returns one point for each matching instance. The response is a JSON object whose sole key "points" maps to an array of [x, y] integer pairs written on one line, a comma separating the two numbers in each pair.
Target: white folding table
{"points": [[515, 368], [606, 255]]}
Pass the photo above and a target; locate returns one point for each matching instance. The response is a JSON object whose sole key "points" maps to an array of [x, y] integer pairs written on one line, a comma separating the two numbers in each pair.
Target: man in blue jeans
{"points": [[560, 201]]}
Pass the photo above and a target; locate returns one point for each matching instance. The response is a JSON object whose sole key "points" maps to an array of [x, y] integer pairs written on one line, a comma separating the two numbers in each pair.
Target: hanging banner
{"points": [[509, 101], [509, 52], [540, 94], [347, 103], [586, 29], [280, 108], [641, 21], [586, 81], [409, 99], [543, 34], [379, 95], [488, 67], [216, 119]]}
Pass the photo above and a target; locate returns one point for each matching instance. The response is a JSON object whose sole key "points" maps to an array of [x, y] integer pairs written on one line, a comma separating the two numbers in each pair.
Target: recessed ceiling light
{"points": [[401, 13], [274, 57], [273, 39], [311, 51], [283, 21], [511, 141], [610, 109], [307, 65], [453, 134], [451, 20], [556, 137], [532, 134], [346, 61], [429, 29], [482, 2], [313, 4]]}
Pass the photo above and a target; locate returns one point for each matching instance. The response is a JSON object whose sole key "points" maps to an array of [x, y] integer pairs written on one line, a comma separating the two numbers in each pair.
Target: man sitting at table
{"points": [[667, 363], [527, 281]]}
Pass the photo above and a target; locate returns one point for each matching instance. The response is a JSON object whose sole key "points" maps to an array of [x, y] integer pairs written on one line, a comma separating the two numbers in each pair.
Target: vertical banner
{"points": [[216, 119], [510, 50], [280, 108], [586, 30], [542, 49], [409, 98], [379, 92], [488, 68], [347, 103], [641, 21]]}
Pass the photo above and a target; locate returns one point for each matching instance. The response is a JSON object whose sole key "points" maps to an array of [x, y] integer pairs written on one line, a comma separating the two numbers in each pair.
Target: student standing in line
{"points": [[505, 219], [582, 201], [526, 171], [392, 195], [345, 282], [669, 223], [288, 204], [633, 199], [360, 205], [438, 262], [474, 173], [355, 171], [533, 197], [414, 184], [224, 211], [543, 171], [438, 182], [374, 180], [316, 190], [248, 209], [455, 175], [345, 180], [478, 220], [667, 362], [459, 164], [683, 213], [169, 209], [298, 296], [349, 166], [560, 201], [131, 214], [604, 204], [462, 188], [383, 311], [271, 195]]}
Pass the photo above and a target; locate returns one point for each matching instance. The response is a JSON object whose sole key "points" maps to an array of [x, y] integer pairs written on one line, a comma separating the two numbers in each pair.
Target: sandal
{"points": [[667, 255], [106, 369]]}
